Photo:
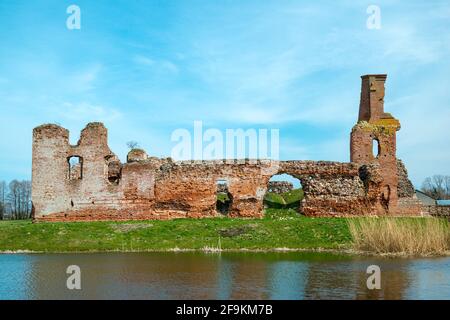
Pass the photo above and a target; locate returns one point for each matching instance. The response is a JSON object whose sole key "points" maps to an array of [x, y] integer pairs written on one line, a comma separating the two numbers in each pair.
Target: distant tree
{"points": [[447, 186], [26, 198], [14, 198], [19, 198], [2, 199], [132, 144], [437, 186]]}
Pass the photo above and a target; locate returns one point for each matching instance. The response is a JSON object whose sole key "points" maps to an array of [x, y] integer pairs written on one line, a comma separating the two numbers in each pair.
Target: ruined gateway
{"points": [[100, 187]]}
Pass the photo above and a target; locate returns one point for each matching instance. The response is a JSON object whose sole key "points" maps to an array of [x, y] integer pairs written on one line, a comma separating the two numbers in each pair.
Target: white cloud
{"points": [[83, 80], [85, 112], [403, 42], [161, 64], [283, 66], [139, 59]]}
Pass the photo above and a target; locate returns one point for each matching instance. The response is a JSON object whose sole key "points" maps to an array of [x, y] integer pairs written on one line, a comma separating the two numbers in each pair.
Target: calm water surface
{"points": [[220, 276]]}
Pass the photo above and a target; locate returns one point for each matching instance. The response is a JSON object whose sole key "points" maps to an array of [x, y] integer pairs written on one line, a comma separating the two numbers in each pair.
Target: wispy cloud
{"points": [[84, 80], [163, 64], [86, 112]]}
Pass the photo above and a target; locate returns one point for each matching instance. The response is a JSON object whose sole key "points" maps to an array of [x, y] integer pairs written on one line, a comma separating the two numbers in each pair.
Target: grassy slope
{"points": [[293, 196], [285, 200], [282, 199], [280, 228]]}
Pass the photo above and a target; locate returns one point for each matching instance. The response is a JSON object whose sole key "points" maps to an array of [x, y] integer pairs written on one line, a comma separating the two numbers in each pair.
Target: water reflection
{"points": [[288, 280], [331, 280], [225, 276]]}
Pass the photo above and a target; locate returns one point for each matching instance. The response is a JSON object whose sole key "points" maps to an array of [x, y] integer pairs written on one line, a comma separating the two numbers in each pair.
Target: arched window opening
{"points": [[283, 192], [224, 198], [375, 148], [75, 168]]}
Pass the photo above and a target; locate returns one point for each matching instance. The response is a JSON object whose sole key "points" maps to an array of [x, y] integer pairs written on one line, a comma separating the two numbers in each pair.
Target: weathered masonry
{"points": [[87, 181]]}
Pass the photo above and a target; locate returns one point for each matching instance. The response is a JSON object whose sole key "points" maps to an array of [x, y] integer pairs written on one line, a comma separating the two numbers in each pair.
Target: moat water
{"points": [[221, 276]]}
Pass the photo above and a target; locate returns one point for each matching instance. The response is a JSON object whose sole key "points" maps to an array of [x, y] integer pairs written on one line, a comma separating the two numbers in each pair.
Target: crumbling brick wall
{"points": [[100, 187]]}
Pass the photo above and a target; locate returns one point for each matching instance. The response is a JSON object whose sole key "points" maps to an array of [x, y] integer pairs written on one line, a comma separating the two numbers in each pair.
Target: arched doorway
{"points": [[284, 195], [224, 199]]}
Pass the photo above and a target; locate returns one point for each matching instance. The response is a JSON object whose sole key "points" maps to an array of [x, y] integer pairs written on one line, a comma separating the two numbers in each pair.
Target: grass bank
{"points": [[280, 229]]}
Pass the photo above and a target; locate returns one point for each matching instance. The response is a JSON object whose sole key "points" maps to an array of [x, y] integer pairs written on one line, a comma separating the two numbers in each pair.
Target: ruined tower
{"points": [[63, 175], [373, 139]]}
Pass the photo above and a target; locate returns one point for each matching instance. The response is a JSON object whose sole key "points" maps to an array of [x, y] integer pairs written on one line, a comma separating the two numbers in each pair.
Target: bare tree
{"points": [[25, 187], [427, 186], [2, 199], [437, 187], [447, 186], [132, 144], [14, 198], [19, 197]]}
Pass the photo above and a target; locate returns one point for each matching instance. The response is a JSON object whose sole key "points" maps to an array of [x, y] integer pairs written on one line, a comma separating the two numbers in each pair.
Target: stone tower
{"points": [[64, 176], [373, 139]]}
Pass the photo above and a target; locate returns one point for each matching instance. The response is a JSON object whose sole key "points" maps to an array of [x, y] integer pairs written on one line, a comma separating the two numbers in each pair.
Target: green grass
{"points": [[281, 228], [293, 196], [274, 200], [290, 199]]}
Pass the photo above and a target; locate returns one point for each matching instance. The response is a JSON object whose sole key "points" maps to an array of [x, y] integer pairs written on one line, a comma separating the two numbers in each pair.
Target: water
{"points": [[220, 276]]}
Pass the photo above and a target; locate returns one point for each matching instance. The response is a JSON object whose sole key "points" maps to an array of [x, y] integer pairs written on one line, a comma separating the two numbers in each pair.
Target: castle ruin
{"points": [[87, 181]]}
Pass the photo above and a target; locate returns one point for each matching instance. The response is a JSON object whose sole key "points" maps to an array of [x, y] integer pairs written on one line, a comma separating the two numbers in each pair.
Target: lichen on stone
{"points": [[386, 126]]}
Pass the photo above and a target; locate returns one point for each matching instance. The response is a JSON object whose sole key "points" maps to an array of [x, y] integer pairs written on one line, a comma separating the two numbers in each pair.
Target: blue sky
{"points": [[146, 68]]}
